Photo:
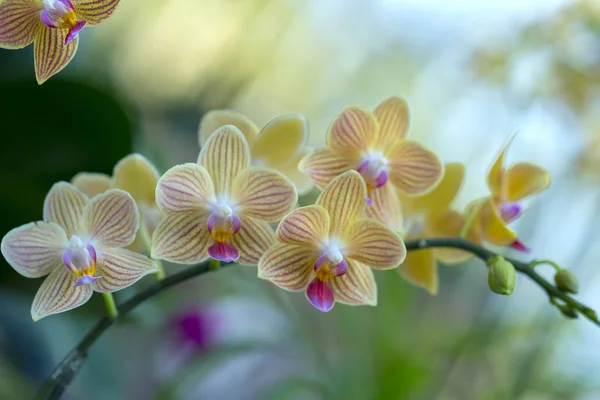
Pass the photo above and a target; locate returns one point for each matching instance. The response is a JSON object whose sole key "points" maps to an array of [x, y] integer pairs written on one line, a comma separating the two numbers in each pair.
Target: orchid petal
{"points": [[320, 295], [356, 287], [322, 165], [224, 155], [112, 218], [252, 240], [94, 11], [34, 249], [414, 170], [91, 183], [353, 131], [58, 294], [64, 205], [344, 198], [215, 119], [372, 243], [496, 176], [450, 224], [120, 268], [183, 188], [288, 266], [301, 181], [50, 52], [19, 23], [307, 225], [524, 180], [420, 269], [137, 176], [493, 228], [386, 207], [264, 194], [280, 140], [393, 116], [182, 238]]}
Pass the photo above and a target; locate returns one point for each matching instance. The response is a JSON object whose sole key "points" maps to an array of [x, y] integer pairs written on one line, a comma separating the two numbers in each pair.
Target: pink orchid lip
{"points": [[86, 280], [519, 246], [223, 252], [510, 211], [338, 270], [74, 31], [320, 295]]}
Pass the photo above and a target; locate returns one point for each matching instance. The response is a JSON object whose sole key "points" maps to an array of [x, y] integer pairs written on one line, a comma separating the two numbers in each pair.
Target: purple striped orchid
{"points": [[374, 144], [221, 206], [328, 249], [79, 245], [52, 26]]}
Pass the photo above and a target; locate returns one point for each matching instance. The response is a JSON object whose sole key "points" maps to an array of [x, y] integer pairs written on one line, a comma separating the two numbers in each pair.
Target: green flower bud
{"points": [[568, 311], [502, 276], [566, 281]]}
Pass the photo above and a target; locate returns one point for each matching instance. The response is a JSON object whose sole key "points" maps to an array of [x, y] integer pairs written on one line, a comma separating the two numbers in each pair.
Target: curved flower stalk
{"points": [[137, 176], [328, 249], [430, 216], [279, 145], [220, 207], [79, 245], [374, 144], [509, 187], [52, 26]]}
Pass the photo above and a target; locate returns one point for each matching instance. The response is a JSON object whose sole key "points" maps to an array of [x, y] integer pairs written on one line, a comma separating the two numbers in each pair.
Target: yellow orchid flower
{"points": [[328, 249], [508, 187], [137, 176], [221, 206], [374, 144], [52, 26], [79, 245], [279, 145], [430, 215]]}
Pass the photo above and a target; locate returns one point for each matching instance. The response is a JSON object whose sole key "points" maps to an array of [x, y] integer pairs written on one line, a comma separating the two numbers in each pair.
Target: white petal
{"points": [[120, 268]]}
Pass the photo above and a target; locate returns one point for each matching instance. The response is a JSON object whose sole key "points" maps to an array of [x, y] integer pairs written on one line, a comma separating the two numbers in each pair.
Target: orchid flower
{"points": [[221, 206], [52, 26], [430, 215], [374, 144], [135, 175], [328, 249], [279, 145], [79, 245], [509, 187]]}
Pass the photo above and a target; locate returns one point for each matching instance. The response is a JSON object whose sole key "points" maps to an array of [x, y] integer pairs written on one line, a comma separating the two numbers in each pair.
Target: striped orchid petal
{"points": [[120, 268], [94, 11], [58, 294], [215, 119], [19, 23], [184, 188], [34, 249], [91, 183], [353, 131], [414, 170], [307, 226], [372, 243], [344, 198], [64, 205], [493, 227], [420, 269], [264, 194], [496, 176], [112, 218], [182, 238], [137, 176], [356, 287], [50, 53], [224, 155], [524, 180], [280, 140], [386, 207], [252, 240], [393, 116], [288, 266], [322, 165], [301, 180]]}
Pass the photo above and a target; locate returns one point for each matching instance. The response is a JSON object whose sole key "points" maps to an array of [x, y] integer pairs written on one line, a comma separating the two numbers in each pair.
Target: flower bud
{"points": [[566, 281], [502, 276], [568, 311]]}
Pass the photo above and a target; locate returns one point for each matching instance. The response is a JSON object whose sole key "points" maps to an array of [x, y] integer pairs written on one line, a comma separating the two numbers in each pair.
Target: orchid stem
{"points": [[111, 307]]}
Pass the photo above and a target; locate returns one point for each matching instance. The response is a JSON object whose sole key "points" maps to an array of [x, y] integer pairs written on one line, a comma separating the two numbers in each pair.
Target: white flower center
{"points": [[374, 169]]}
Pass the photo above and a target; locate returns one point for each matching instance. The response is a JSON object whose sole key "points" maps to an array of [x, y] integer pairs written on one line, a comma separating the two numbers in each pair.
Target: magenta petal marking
{"points": [[381, 179], [510, 211], [341, 268], [519, 246], [66, 256], [319, 262], [211, 223], [47, 19], [363, 166], [235, 223], [86, 280], [223, 252], [320, 295], [92, 252], [74, 31], [369, 201]]}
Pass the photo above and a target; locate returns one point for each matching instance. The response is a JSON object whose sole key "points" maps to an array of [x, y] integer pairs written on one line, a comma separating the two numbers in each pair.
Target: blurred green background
{"points": [[473, 72]]}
